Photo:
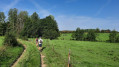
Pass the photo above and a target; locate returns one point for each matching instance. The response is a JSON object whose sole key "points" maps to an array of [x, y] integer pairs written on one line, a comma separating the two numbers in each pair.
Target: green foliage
{"points": [[91, 36], [2, 17], [73, 35], [12, 16], [21, 19], [79, 34], [50, 34], [117, 39], [34, 17], [8, 54], [24, 38], [10, 40], [3, 28], [36, 27], [50, 28], [112, 36], [97, 30]]}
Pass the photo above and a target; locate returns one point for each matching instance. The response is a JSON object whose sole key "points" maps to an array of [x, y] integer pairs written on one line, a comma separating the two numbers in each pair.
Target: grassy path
{"points": [[14, 65], [42, 56], [42, 60], [31, 56]]}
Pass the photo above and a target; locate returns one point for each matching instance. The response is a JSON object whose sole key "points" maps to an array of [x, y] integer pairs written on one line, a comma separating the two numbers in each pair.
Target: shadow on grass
{"points": [[42, 49]]}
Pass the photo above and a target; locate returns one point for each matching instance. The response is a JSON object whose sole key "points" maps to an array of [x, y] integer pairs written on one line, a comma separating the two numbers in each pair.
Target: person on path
{"points": [[40, 41], [37, 42]]}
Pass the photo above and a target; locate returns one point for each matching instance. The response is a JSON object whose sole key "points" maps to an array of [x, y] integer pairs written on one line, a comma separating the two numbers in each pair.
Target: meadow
{"points": [[83, 53]]}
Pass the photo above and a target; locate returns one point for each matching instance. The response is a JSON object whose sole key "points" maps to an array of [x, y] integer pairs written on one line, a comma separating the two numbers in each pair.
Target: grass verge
{"points": [[31, 57]]}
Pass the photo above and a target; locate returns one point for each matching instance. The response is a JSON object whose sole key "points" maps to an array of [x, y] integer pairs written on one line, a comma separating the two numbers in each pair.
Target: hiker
{"points": [[37, 42], [40, 41]]}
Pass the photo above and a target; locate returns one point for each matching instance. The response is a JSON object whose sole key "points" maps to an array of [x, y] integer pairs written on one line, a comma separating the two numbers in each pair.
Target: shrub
{"points": [[112, 36], [50, 34], [117, 39], [91, 36], [24, 38], [10, 40], [73, 35], [79, 34]]}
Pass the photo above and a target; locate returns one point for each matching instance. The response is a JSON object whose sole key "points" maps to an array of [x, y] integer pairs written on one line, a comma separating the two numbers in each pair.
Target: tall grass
{"points": [[83, 54], [31, 58], [8, 54]]}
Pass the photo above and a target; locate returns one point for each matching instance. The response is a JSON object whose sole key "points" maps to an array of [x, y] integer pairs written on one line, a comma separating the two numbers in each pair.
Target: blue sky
{"points": [[70, 14]]}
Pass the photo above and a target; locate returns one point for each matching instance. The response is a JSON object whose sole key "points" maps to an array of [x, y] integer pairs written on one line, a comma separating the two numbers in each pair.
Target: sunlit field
{"points": [[83, 53]]}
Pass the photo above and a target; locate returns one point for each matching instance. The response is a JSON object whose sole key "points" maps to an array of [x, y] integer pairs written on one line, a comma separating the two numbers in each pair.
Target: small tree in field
{"points": [[10, 40], [73, 35], [113, 36], [91, 36], [117, 39], [79, 34]]}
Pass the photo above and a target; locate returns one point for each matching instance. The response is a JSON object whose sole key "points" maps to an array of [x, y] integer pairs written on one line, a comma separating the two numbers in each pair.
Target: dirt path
{"points": [[42, 61], [14, 65]]}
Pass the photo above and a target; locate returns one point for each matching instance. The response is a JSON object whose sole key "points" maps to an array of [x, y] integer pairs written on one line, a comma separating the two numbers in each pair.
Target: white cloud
{"points": [[102, 8], [43, 12], [72, 22]]}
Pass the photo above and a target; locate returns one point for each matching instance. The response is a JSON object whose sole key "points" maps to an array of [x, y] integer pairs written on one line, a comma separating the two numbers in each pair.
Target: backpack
{"points": [[40, 41]]}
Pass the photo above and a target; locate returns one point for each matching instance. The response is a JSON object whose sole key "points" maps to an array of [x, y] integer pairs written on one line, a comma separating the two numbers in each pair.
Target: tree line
{"points": [[24, 25], [90, 35], [97, 30]]}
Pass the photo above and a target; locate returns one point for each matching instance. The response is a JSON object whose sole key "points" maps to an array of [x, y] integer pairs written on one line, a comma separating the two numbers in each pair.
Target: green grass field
{"points": [[83, 53], [99, 36]]}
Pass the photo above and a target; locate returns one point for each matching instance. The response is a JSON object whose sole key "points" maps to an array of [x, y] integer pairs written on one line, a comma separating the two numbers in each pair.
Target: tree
{"points": [[112, 36], [97, 30], [2, 17], [50, 24], [26, 31], [21, 19], [79, 34], [3, 28], [10, 39], [50, 34], [73, 35], [3, 25], [91, 36], [12, 16], [34, 17], [117, 39]]}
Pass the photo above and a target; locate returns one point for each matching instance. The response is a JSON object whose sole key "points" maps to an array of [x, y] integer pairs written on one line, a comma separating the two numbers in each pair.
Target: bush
{"points": [[117, 39], [112, 36], [73, 35], [50, 34], [91, 36], [24, 38], [10, 40], [79, 34]]}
